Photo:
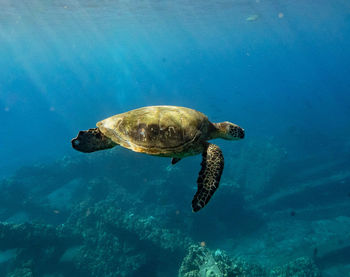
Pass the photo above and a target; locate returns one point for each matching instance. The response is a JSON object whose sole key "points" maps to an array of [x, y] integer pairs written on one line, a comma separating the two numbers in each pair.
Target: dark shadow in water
{"points": [[154, 267], [337, 257], [225, 217], [159, 261]]}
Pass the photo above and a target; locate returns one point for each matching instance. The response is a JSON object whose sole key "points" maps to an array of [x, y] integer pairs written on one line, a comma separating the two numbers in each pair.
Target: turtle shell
{"points": [[157, 130]]}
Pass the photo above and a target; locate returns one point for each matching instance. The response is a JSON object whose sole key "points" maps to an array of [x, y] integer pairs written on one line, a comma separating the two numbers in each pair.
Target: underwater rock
{"points": [[303, 267], [27, 235], [37, 248], [21, 272], [118, 233], [120, 243], [105, 215], [127, 224], [201, 262]]}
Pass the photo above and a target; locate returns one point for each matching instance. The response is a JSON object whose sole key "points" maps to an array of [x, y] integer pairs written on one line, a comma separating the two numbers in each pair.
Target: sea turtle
{"points": [[166, 131]]}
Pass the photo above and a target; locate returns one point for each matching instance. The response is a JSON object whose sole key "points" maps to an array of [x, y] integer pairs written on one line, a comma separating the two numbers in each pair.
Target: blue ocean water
{"points": [[280, 69]]}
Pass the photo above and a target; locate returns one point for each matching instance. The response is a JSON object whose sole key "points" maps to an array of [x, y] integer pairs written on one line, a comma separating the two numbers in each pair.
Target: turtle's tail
{"points": [[91, 140]]}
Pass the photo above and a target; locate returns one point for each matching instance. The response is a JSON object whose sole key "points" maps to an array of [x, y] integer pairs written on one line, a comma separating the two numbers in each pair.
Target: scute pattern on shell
{"points": [[157, 130]]}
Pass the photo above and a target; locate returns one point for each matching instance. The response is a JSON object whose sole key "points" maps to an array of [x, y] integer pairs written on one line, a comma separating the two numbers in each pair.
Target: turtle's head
{"points": [[229, 131], [91, 140]]}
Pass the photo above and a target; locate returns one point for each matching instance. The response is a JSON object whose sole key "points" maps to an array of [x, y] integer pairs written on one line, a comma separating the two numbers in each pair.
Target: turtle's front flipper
{"points": [[209, 176], [91, 140]]}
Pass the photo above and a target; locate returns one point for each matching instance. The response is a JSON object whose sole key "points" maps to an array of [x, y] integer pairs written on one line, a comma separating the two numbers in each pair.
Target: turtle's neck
{"points": [[220, 130], [214, 131]]}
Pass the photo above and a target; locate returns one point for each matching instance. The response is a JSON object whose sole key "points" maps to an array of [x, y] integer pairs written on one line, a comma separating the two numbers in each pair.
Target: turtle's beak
{"points": [[87, 141], [241, 133], [82, 142]]}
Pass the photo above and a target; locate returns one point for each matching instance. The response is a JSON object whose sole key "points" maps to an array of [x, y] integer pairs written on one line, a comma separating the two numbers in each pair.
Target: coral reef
{"points": [[112, 235], [89, 216]]}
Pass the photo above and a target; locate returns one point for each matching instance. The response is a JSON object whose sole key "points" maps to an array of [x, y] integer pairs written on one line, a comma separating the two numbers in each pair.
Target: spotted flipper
{"points": [[91, 140], [175, 160], [209, 176]]}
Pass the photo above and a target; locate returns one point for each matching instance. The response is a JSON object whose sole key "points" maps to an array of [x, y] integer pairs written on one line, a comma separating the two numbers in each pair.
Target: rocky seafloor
{"points": [[118, 213]]}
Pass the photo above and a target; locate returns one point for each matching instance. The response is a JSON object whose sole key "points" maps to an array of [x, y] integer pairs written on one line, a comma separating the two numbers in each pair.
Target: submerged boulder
{"points": [[301, 267], [35, 248], [201, 262]]}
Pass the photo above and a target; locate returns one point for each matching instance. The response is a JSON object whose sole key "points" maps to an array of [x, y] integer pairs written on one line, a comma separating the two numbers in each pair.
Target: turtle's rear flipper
{"points": [[91, 140], [209, 176]]}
